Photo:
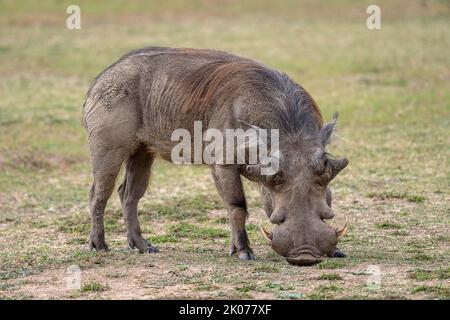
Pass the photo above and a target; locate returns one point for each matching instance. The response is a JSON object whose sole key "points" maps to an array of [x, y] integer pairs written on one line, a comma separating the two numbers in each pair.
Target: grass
{"points": [[331, 264], [390, 88], [93, 286], [423, 275], [388, 225], [330, 276], [396, 195], [185, 230], [439, 291], [324, 292]]}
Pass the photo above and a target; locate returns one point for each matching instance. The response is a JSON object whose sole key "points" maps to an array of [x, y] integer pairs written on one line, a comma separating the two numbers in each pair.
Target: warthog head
{"points": [[297, 198]]}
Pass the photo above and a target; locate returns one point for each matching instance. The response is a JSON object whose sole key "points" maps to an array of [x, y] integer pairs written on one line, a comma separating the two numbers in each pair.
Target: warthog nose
{"points": [[277, 217], [304, 260], [327, 214]]}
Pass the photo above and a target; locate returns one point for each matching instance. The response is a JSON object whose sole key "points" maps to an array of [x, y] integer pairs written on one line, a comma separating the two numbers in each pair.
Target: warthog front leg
{"points": [[138, 167], [229, 184]]}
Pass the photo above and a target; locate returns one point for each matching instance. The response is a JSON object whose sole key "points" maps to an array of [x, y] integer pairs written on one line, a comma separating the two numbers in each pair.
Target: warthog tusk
{"points": [[265, 233], [340, 232]]}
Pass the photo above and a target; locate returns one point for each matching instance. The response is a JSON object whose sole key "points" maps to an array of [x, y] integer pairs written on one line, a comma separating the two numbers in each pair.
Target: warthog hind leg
{"points": [[138, 167], [106, 166]]}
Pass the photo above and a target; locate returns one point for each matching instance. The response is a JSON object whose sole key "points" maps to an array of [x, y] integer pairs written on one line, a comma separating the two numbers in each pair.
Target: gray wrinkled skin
{"points": [[132, 108]]}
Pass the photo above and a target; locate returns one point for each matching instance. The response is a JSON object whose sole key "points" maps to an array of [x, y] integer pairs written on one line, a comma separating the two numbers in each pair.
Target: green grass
{"points": [[390, 87], [396, 195], [330, 276], [246, 288], [267, 268], [193, 232], [93, 286], [324, 292], [423, 275], [331, 264], [276, 286], [422, 257], [441, 291], [388, 225]]}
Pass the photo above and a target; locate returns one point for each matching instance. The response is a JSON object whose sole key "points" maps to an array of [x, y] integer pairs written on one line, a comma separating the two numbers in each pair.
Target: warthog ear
{"points": [[337, 165], [327, 130]]}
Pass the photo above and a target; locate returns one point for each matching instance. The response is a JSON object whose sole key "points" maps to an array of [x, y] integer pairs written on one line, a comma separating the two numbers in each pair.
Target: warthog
{"points": [[133, 107]]}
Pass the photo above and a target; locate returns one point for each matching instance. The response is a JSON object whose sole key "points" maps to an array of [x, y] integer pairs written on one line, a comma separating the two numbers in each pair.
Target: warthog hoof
{"points": [[142, 245], [98, 245], [246, 254], [152, 249], [338, 254]]}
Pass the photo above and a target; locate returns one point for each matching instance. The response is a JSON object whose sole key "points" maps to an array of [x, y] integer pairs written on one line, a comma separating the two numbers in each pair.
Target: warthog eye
{"points": [[278, 179], [275, 181]]}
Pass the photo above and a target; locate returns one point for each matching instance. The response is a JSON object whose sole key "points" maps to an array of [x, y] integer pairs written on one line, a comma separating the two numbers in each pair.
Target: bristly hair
{"points": [[301, 112], [221, 77], [288, 105], [217, 81]]}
